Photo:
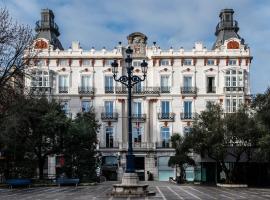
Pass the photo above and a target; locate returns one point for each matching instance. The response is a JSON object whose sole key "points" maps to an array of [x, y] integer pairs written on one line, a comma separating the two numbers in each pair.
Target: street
{"points": [[164, 191]]}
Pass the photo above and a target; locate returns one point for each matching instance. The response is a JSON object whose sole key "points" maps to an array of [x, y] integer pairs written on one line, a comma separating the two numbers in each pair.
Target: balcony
{"points": [[166, 144], [63, 90], [169, 117], [46, 24], [226, 25], [151, 90], [121, 90], [138, 90], [234, 89], [186, 116], [37, 90], [189, 90], [165, 89], [86, 90], [138, 117], [109, 90], [211, 90], [138, 145], [109, 145], [112, 117]]}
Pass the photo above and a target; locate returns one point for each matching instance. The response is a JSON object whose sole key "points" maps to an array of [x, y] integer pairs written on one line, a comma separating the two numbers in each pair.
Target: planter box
{"points": [[232, 185]]}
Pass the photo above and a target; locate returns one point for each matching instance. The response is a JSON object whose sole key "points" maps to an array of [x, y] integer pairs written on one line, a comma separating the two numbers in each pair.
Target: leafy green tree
{"points": [[221, 136], [182, 157], [34, 128], [80, 147], [261, 105]]}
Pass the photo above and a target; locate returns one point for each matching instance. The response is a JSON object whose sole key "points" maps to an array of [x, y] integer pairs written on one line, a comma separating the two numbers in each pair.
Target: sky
{"points": [[176, 23]]}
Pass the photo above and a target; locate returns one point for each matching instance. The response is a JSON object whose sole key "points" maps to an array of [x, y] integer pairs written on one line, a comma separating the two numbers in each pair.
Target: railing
{"points": [[63, 89], [187, 116], [165, 89], [226, 24], [137, 90], [138, 145], [166, 116], [151, 90], [107, 116], [86, 90], [109, 90], [143, 90], [233, 89], [164, 144], [139, 117], [211, 90], [110, 144], [188, 90], [121, 90], [46, 24], [40, 90]]}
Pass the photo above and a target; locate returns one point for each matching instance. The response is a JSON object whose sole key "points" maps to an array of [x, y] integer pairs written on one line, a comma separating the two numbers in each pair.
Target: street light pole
{"points": [[129, 81]]}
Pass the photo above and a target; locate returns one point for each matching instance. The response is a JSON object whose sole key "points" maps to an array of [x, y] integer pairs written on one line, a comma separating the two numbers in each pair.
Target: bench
{"points": [[67, 181], [18, 182]]}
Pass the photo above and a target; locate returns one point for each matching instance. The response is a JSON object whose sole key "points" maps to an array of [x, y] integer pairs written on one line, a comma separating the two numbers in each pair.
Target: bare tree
{"points": [[15, 39]]}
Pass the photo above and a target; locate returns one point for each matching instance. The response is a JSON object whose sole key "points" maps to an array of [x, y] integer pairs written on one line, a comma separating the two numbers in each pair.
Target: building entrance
{"points": [[139, 167]]}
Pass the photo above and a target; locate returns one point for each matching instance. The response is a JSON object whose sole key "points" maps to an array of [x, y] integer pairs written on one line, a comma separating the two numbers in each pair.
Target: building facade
{"points": [[179, 84]]}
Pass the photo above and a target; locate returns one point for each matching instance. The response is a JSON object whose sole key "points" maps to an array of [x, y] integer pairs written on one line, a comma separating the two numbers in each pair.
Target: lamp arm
{"points": [[121, 79], [137, 79]]}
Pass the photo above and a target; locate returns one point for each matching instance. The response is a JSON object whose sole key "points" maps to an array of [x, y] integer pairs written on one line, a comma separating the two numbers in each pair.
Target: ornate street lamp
{"points": [[129, 81]]}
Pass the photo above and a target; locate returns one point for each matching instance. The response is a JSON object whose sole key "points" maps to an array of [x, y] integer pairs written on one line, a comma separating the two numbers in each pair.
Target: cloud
{"points": [[170, 23]]}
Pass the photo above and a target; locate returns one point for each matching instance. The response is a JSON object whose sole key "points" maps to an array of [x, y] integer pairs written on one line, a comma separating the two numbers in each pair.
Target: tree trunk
{"points": [[41, 162]]}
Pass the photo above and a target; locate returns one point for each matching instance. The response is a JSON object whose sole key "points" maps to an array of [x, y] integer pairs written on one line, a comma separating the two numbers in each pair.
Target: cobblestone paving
{"points": [[164, 191]]}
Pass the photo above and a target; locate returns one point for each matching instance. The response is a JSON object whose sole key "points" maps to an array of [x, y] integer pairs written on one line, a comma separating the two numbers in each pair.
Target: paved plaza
{"points": [[164, 191]]}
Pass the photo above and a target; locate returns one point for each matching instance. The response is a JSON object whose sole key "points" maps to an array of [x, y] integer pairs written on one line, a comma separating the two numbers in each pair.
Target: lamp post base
{"points": [[130, 187]]}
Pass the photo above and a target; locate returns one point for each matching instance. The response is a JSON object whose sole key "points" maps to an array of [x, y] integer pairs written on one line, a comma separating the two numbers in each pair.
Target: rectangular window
{"points": [[187, 109], [40, 79], [164, 83], [63, 62], [108, 107], [164, 62], [186, 130], [137, 134], [137, 108], [108, 84], [165, 137], [86, 62], [187, 82], [165, 107], [232, 62], [138, 88], [109, 137], [63, 84], [86, 105], [85, 81], [65, 108], [136, 63], [210, 62], [108, 62], [211, 85], [187, 62]]}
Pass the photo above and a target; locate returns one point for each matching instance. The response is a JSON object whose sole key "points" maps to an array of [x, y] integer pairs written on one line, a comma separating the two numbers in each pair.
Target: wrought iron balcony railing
{"points": [[109, 144], [234, 89], [86, 90], [138, 117], [109, 116], [164, 144], [165, 89], [63, 89], [189, 90], [109, 90], [187, 116], [166, 116]]}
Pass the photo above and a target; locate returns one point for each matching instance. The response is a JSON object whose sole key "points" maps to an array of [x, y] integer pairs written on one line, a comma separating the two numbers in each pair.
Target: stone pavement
{"points": [[164, 191]]}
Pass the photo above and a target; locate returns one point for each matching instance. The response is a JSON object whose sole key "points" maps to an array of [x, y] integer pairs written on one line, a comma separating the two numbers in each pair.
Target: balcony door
{"points": [[187, 109], [138, 88], [109, 137], [187, 82], [165, 136], [137, 134], [165, 109], [109, 108], [108, 83], [63, 83], [137, 109], [164, 83], [210, 84], [85, 82]]}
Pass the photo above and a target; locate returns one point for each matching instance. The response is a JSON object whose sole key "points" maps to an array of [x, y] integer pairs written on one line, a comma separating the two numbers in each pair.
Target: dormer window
{"points": [[187, 62], [232, 62], [210, 62], [164, 62]]}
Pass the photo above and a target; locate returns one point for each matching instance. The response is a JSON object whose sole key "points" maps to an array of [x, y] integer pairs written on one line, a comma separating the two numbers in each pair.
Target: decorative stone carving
{"points": [[137, 41]]}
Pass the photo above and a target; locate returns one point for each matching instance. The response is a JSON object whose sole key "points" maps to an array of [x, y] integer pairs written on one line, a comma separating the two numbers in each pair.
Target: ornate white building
{"points": [[179, 84]]}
